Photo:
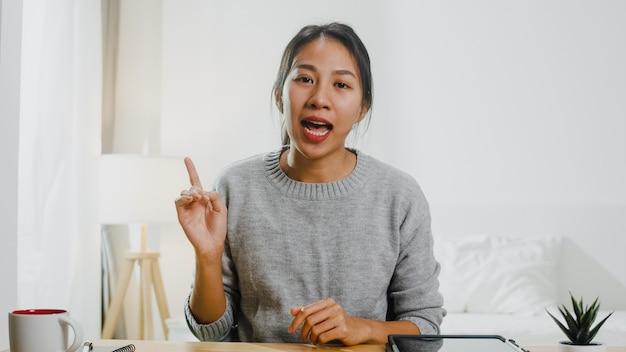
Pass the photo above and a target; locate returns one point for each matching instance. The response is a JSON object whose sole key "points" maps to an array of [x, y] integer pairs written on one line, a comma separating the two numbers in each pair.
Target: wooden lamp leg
{"points": [[159, 293], [146, 283], [117, 300]]}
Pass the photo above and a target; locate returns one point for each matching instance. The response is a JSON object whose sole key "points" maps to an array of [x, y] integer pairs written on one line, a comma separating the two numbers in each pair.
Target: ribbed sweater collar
{"points": [[315, 191]]}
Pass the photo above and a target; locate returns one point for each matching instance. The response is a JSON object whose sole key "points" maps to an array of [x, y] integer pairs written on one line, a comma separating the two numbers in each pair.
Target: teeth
{"points": [[317, 133], [316, 128]]}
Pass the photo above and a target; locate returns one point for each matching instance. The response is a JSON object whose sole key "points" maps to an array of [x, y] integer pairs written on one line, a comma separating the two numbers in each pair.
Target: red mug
{"points": [[36, 330]]}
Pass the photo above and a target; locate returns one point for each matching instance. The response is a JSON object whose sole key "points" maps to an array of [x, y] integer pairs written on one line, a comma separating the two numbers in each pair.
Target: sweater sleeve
{"points": [[414, 288], [219, 330], [223, 329]]}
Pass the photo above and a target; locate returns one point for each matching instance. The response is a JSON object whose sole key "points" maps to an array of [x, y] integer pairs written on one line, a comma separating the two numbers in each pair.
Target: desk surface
{"points": [[163, 346]]}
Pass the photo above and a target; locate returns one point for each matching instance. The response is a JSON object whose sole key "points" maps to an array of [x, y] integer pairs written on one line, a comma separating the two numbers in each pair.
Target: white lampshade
{"points": [[139, 188]]}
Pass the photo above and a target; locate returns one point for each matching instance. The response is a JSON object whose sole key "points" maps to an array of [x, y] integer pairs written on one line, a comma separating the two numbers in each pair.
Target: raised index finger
{"points": [[194, 179]]}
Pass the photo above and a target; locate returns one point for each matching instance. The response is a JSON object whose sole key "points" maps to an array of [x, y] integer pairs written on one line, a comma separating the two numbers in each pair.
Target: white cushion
{"points": [[490, 274], [528, 331]]}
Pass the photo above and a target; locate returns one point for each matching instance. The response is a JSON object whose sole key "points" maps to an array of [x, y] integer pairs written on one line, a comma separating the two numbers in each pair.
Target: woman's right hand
{"points": [[203, 217]]}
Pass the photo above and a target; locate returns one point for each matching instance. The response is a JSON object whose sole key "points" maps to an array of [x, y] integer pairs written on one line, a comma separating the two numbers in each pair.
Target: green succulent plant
{"points": [[579, 328]]}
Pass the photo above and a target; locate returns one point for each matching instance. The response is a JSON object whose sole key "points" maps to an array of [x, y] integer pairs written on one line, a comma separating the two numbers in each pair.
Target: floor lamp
{"points": [[138, 189]]}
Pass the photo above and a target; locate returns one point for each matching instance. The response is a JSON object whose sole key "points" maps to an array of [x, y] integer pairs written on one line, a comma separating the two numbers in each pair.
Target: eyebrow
{"points": [[337, 72]]}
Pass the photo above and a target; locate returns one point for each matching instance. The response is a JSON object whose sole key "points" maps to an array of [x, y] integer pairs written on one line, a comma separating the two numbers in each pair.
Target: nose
{"points": [[319, 97]]}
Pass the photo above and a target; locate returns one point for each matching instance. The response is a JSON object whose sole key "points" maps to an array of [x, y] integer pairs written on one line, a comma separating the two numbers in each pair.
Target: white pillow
{"points": [[452, 277], [490, 274]]}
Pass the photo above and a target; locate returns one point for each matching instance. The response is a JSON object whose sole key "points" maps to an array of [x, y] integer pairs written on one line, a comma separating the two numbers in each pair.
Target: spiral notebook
{"points": [[125, 348]]}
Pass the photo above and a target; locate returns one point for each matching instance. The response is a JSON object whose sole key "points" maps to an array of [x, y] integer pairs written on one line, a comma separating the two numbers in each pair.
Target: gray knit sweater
{"points": [[364, 241]]}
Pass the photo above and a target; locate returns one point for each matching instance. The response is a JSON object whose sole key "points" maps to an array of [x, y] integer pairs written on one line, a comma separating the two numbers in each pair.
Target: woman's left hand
{"points": [[326, 321]]}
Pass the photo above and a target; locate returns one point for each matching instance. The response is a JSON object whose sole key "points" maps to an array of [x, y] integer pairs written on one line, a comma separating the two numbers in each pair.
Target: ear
{"points": [[364, 109], [278, 100]]}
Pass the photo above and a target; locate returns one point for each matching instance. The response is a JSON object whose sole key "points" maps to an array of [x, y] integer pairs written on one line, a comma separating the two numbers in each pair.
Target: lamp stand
{"points": [[150, 278]]}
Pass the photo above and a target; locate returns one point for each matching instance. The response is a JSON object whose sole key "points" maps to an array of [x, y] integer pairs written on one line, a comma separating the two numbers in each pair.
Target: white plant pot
{"points": [[595, 347]]}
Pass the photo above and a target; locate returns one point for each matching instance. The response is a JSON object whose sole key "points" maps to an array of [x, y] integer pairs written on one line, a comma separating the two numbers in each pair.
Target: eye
{"points": [[303, 79], [342, 85]]}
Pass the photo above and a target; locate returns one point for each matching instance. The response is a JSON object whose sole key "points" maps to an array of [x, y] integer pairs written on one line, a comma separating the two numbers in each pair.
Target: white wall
{"points": [[10, 48], [511, 115], [515, 120]]}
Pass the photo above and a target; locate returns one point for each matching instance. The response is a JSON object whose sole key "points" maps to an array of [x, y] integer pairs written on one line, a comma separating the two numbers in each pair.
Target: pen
{"points": [[87, 346]]}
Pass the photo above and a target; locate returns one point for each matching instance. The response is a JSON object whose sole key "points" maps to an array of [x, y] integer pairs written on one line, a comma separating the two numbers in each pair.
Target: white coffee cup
{"points": [[38, 330]]}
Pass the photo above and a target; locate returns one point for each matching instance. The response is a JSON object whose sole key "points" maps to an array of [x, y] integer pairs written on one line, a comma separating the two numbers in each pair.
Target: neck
{"points": [[328, 169]]}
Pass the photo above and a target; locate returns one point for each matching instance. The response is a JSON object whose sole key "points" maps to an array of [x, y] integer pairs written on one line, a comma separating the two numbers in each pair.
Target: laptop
{"points": [[451, 343]]}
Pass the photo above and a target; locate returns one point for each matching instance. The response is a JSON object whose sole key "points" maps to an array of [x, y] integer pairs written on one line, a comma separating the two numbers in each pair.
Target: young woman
{"points": [[315, 241]]}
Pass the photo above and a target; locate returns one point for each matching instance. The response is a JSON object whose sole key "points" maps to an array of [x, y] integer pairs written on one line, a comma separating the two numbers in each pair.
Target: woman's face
{"points": [[322, 98]]}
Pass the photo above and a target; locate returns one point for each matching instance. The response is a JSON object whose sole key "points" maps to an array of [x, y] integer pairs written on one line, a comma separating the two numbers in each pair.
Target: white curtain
{"points": [[59, 238]]}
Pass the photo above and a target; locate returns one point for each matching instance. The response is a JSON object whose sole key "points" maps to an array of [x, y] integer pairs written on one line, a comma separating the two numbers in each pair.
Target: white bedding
{"points": [[502, 286], [530, 330]]}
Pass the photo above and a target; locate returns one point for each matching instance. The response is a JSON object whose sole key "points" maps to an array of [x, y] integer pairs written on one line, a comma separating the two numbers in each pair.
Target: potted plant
{"points": [[578, 326]]}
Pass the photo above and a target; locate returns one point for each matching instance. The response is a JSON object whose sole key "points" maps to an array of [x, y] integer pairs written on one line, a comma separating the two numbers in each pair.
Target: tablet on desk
{"points": [[451, 343]]}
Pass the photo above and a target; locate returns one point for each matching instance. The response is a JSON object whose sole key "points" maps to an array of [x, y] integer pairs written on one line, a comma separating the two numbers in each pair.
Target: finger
{"points": [[295, 323], [302, 312], [317, 306], [217, 204], [326, 330], [193, 191], [321, 321], [316, 324], [194, 179], [194, 194], [299, 317], [183, 200], [315, 314], [295, 310], [305, 331], [325, 336]]}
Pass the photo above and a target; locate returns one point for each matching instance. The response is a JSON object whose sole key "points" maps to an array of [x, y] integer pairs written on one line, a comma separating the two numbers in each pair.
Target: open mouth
{"points": [[317, 128]]}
